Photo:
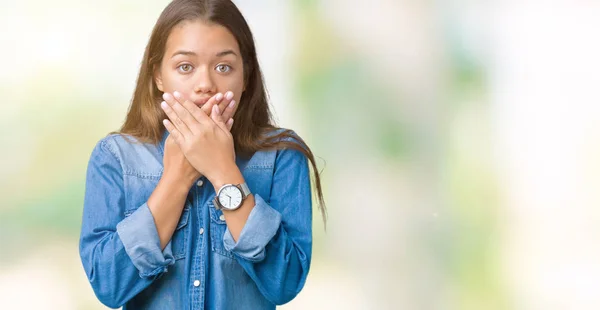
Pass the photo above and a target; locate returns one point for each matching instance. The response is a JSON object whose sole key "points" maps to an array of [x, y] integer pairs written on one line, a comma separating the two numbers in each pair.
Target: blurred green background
{"points": [[459, 142]]}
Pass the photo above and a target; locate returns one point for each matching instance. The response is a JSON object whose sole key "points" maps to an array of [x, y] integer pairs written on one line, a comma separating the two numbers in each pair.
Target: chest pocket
{"points": [[217, 230]]}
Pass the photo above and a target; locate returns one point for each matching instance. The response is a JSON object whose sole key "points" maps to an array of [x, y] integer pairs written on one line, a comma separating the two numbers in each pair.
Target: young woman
{"points": [[184, 207]]}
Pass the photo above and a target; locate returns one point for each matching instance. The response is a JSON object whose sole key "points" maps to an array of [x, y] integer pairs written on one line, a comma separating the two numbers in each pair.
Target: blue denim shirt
{"points": [[202, 267]]}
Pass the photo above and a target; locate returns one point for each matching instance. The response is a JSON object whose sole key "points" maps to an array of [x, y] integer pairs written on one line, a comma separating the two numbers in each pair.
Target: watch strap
{"points": [[245, 190]]}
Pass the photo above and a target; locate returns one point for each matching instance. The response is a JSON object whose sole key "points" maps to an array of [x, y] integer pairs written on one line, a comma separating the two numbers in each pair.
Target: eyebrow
{"points": [[181, 52], [190, 53], [226, 52]]}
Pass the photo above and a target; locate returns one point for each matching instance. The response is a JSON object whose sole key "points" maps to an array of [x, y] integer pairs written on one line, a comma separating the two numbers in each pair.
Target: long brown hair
{"points": [[254, 128]]}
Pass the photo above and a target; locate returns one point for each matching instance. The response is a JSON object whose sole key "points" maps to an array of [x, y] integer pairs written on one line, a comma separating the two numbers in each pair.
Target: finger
{"points": [[207, 107], [229, 124], [173, 132], [217, 118], [228, 112], [227, 98], [175, 120], [195, 111], [215, 114], [189, 125]]}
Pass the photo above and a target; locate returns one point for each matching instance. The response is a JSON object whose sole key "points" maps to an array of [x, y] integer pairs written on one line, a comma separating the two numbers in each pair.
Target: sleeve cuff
{"points": [[261, 226], [142, 243]]}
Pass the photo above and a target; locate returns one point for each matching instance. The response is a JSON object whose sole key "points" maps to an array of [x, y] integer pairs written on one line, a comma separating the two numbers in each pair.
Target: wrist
{"points": [[177, 183], [168, 188], [230, 175]]}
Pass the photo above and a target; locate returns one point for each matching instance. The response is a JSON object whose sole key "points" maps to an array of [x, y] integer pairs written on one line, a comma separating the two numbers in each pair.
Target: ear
{"points": [[158, 78]]}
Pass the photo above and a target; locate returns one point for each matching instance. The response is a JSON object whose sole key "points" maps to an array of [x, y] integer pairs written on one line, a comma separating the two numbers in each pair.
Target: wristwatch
{"points": [[231, 196]]}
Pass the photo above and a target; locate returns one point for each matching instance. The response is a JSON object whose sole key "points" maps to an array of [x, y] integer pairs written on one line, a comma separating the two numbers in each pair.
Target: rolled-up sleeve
{"points": [[142, 243], [261, 226], [275, 245]]}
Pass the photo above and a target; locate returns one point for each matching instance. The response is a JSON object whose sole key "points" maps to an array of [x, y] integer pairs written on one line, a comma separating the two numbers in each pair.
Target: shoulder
{"points": [[105, 146], [113, 143], [105, 155], [292, 149], [131, 153], [118, 141], [286, 141], [281, 134], [290, 140]]}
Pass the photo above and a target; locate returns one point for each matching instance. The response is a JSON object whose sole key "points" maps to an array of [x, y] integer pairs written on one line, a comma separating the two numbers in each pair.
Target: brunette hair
{"points": [[254, 127]]}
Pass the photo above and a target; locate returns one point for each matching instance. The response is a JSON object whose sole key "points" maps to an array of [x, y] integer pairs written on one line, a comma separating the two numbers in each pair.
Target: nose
{"points": [[204, 82]]}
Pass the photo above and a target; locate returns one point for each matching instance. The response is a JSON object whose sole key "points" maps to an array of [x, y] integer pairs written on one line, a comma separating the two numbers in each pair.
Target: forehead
{"points": [[200, 37]]}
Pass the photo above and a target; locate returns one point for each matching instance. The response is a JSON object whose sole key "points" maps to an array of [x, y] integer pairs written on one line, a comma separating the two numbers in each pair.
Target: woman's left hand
{"points": [[205, 140]]}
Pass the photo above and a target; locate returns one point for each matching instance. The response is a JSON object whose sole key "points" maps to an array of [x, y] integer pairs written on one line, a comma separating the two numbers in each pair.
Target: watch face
{"points": [[230, 197]]}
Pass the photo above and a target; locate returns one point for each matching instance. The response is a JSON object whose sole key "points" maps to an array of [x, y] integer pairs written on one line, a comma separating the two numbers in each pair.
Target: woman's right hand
{"points": [[223, 100], [176, 165]]}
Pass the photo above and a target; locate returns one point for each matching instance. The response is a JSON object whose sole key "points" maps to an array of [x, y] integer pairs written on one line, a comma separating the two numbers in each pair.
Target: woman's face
{"points": [[201, 60]]}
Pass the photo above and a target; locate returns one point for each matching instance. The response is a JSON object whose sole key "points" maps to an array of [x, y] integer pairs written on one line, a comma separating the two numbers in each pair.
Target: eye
{"points": [[223, 68], [185, 68]]}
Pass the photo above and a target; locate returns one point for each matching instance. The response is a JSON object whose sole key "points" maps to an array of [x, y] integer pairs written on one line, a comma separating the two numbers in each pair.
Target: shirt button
{"points": [[200, 183], [201, 231], [222, 217], [197, 283]]}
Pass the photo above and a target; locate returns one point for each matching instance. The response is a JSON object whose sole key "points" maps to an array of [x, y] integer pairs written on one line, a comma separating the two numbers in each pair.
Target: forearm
{"points": [[236, 220], [166, 203], [120, 251], [281, 275], [275, 256], [115, 279]]}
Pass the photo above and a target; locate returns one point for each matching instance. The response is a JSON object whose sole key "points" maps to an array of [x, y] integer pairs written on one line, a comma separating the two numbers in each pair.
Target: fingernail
{"points": [[177, 94], [166, 96], [228, 95], [164, 105], [219, 97], [232, 103]]}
